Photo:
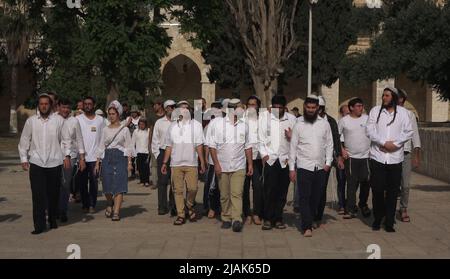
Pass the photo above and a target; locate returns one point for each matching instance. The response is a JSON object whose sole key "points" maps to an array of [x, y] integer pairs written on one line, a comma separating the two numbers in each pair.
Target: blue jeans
{"points": [[89, 195]]}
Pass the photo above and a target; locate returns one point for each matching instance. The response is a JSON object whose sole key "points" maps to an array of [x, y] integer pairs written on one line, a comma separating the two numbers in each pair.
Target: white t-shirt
{"points": [[353, 134], [92, 133]]}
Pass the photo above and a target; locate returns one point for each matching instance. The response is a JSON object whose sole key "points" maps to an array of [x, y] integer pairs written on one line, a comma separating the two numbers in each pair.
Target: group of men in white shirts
{"points": [[235, 146]]}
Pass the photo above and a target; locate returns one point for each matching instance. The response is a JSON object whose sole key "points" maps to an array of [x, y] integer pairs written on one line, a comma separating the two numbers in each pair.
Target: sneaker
{"points": [[389, 229], [307, 233], [91, 210], [267, 225], [376, 226], [226, 225], [349, 215], [237, 226]]}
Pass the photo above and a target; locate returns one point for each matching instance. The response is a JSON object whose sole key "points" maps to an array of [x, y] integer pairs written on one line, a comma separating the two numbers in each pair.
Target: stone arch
{"points": [[182, 79]]}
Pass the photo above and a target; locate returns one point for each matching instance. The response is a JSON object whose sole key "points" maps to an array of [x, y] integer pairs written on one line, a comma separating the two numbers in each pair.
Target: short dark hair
{"points": [[279, 100], [355, 101], [89, 98], [143, 121], [253, 97], [65, 102], [216, 105]]}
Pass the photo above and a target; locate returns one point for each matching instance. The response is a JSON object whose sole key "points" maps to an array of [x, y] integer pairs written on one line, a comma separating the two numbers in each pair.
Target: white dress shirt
{"points": [[311, 145], [184, 137], [415, 141], [92, 134], [159, 135], [252, 122], [272, 137], [122, 141], [353, 134], [44, 142], [74, 130], [140, 140], [400, 131], [230, 140]]}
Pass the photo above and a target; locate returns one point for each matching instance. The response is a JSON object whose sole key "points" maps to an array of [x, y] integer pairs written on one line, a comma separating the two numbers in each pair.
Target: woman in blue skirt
{"points": [[114, 153]]}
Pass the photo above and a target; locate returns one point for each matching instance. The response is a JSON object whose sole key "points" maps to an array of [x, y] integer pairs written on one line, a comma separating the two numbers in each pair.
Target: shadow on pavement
{"points": [[9, 217], [432, 188]]}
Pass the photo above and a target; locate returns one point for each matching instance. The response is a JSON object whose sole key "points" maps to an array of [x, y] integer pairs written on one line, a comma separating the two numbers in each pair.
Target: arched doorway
{"points": [[182, 79]]}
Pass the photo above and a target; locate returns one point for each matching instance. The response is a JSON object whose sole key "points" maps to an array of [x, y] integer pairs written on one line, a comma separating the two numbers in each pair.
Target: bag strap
{"points": [[118, 132]]}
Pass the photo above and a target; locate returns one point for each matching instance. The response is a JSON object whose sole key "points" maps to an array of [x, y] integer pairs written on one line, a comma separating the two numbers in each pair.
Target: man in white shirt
{"points": [[184, 148], [91, 129], [251, 118], [44, 146], [76, 155], [412, 159], [355, 151], [275, 131], [158, 148], [310, 158], [230, 150], [389, 128]]}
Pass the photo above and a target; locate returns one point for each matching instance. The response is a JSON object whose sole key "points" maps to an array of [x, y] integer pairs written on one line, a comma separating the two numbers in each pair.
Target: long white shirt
{"points": [[353, 134], [74, 130], [184, 137], [230, 140], [272, 137], [400, 131], [252, 122], [44, 142], [140, 140], [415, 141], [159, 135], [92, 133], [311, 145], [122, 141]]}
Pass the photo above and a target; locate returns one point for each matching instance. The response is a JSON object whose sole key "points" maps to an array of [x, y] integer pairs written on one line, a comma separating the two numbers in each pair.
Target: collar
{"points": [[284, 118], [239, 120]]}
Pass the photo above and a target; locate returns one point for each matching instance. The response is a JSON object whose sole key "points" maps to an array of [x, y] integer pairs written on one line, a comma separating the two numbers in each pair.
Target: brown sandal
{"points": [[179, 221], [404, 218], [192, 215]]}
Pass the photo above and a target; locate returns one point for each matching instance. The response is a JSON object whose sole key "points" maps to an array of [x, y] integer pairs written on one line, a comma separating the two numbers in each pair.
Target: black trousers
{"points": [[89, 194], [163, 182], [258, 198], [385, 180], [357, 173], [310, 186], [211, 197], [45, 189], [143, 167], [323, 198], [276, 185]]}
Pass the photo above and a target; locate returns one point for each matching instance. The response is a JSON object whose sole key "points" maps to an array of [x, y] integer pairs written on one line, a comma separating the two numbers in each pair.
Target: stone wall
{"points": [[435, 159]]}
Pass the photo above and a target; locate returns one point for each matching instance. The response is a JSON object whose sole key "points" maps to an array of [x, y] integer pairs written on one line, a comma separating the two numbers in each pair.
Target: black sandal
{"points": [[192, 215], [280, 226], [179, 221], [108, 213], [115, 217]]}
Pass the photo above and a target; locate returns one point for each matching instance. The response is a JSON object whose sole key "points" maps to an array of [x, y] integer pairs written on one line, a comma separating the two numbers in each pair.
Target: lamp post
{"points": [[311, 2]]}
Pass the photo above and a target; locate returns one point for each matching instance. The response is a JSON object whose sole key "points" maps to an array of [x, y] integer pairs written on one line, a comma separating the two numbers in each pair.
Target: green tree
{"points": [[20, 22], [414, 41]]}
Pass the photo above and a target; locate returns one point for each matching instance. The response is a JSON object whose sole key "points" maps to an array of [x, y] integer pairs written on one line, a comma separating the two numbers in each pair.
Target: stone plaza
{"points": [[143, 234]]}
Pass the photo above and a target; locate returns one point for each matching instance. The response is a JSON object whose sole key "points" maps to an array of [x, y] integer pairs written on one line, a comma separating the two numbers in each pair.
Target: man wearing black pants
{"points": [[158, 148], [275, 131], [44, 141], [355, 151], [389, 127], [310, 157]]}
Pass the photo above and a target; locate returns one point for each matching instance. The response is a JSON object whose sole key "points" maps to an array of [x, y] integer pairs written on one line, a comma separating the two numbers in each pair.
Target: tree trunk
{"points": [[263, 92], [13, 100], [113, 92]]}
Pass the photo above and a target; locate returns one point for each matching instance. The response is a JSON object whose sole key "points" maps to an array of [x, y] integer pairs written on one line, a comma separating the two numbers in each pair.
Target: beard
{"points": [[310, 118], [44, 114]]}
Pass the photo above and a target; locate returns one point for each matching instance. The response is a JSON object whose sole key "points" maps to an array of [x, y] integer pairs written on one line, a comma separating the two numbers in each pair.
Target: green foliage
{"points": [[415, 41]]}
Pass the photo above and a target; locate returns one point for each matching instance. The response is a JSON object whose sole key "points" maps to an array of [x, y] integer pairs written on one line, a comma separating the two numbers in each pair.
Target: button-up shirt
{"points": [[415, 141], [272, 137], [184, 137], [230, 140], [311, 145], [400, 131], [139, 140], [159, 135], [44, 142], [76, 143]]}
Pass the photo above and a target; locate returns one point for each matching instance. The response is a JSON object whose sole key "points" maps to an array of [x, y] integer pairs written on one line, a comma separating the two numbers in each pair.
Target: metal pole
{"points": [[310, 51]]}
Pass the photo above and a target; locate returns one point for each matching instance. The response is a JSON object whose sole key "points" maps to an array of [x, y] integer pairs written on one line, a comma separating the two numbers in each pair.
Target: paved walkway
{"points": [[144, 234]]}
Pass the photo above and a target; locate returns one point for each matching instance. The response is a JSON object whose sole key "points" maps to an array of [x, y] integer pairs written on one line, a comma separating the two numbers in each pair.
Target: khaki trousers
{"points": [[182, 176], [231, 186]]}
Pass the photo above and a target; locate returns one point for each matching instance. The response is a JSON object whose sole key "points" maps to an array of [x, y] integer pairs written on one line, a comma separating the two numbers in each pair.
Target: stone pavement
{"points": [[144, 234]]}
